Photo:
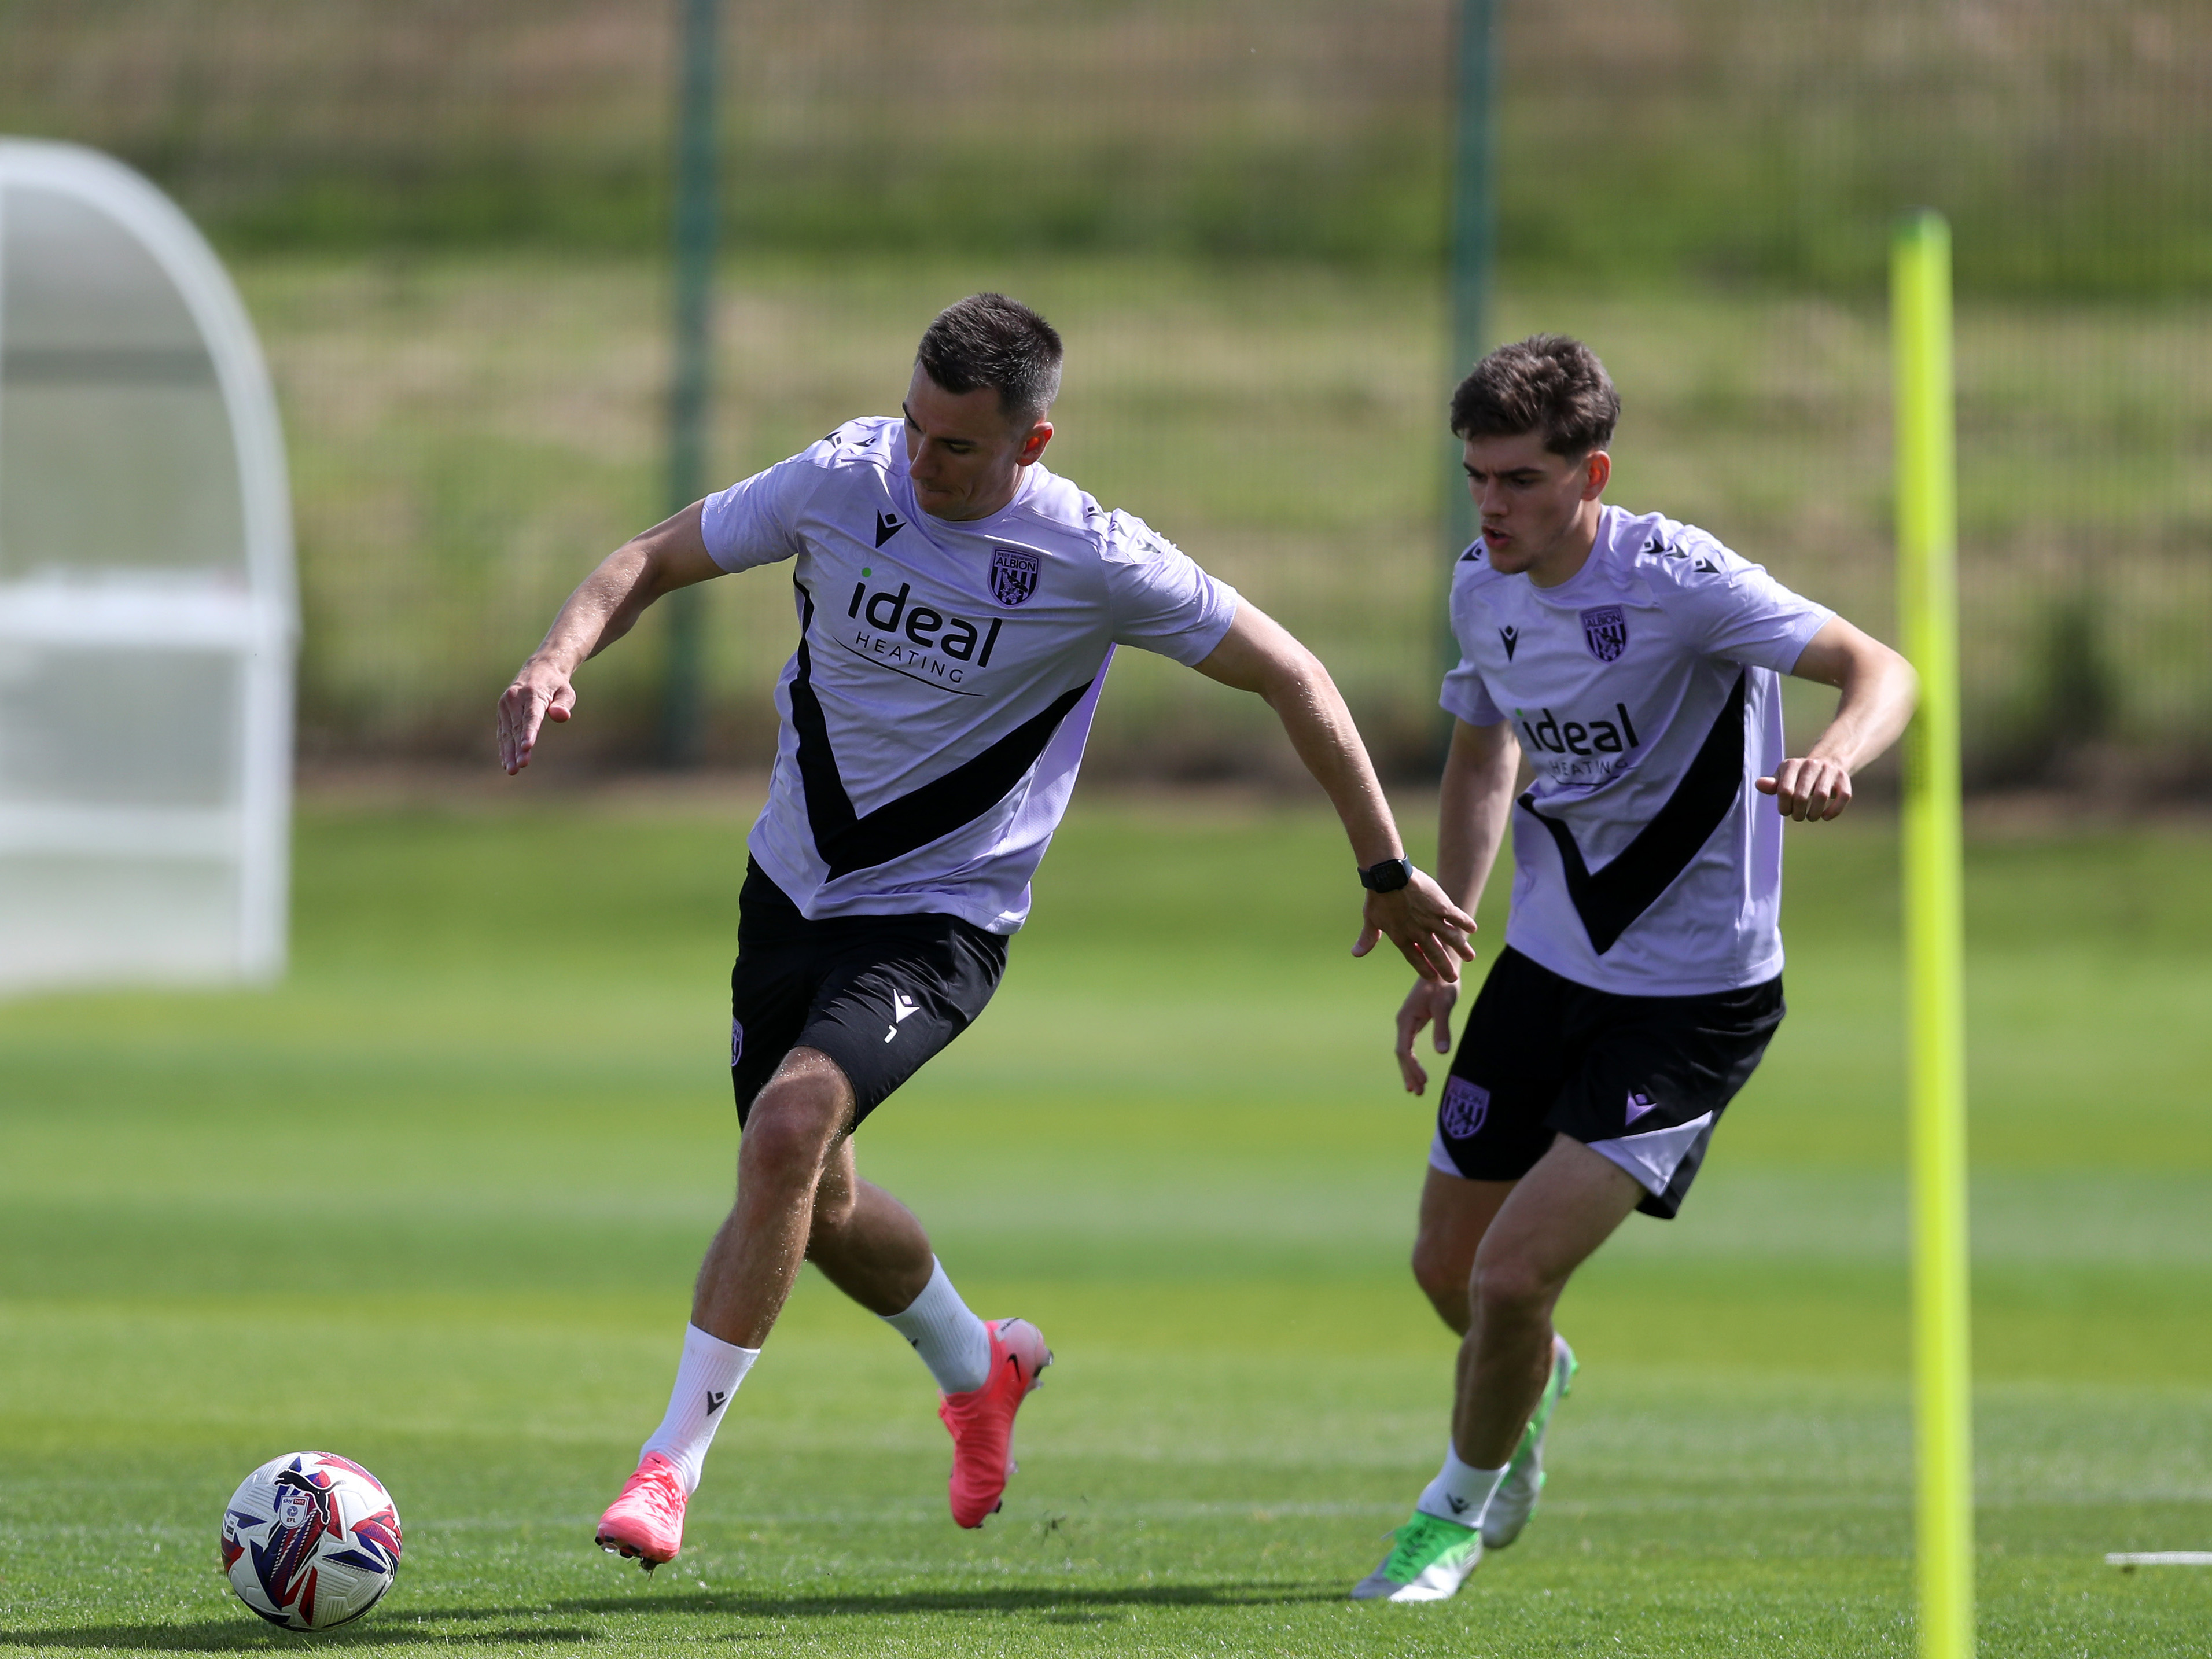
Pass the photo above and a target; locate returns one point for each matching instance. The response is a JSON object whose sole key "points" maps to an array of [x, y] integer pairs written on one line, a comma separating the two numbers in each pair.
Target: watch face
{"points": [[1386, 877]]}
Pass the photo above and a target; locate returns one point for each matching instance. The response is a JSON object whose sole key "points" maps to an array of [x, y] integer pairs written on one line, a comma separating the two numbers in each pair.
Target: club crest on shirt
{"points": [[1605, 630], [1465, 1107], [1013, 575]]}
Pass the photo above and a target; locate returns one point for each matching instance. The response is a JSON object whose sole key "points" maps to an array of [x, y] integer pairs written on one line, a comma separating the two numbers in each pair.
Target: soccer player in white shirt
{"points": [[1634, 662], [957, 607]]}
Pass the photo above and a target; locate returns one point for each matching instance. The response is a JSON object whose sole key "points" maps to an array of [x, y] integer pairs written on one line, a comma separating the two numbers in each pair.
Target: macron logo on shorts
{"points": [[902, 1006], [1465, 1107], [1638, 1105]]}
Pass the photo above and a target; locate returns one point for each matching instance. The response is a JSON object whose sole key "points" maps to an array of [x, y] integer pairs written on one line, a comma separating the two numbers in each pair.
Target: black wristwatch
{"points": [[1386, 877]]}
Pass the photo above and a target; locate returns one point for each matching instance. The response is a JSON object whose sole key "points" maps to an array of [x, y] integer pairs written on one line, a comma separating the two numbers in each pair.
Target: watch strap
{"points": [[1386, 877]]}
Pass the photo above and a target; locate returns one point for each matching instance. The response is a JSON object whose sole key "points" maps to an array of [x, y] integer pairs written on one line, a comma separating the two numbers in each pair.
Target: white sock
{"points": [[1460, 1491], [705, 1377], [952, 1342]]}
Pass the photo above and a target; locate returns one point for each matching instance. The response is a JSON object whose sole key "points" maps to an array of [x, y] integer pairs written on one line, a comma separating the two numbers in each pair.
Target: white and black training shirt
{"points": [[1645, 691], [935, 711]]}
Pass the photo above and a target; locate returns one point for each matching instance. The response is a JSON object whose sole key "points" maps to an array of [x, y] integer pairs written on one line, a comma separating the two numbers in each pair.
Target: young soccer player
{"points": [[957, 608], [1636, 662]]}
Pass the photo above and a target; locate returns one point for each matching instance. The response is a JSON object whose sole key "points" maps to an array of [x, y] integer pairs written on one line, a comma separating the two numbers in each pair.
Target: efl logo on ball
{"points": [[310, 1541]]}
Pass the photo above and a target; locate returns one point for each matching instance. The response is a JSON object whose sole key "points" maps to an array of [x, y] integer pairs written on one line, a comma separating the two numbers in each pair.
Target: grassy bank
{"points": [[468, 434]]}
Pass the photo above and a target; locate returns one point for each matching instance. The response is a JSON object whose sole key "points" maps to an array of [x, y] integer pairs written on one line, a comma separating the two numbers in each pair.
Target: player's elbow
{"points": [[1904, 679], [1869, 665], [1295, 678], [1886, 687]]}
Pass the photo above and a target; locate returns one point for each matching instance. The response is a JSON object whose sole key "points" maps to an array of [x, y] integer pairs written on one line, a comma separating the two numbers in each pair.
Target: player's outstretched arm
{"points": [[1471, 805], [1259, 655], [1879, 690], [603, 607]]}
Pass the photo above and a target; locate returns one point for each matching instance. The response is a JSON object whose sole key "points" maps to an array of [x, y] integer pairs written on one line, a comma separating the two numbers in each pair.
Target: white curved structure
{"points": [[148, 618]]}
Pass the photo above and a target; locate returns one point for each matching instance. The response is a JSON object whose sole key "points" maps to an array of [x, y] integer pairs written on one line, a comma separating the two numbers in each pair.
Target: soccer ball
{"points": [[310, 1541]]}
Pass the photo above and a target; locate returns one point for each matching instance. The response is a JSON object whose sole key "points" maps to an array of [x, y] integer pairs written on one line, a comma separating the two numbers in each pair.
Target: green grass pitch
{"points": [[435, 1205]]}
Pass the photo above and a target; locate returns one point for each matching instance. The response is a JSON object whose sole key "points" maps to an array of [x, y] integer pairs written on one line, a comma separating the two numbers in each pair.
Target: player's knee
{"points": [[1510, 1287], [787, 1136]]}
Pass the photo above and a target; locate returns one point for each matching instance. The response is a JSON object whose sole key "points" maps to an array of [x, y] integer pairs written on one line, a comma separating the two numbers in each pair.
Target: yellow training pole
{"points": [[1928, 618]]}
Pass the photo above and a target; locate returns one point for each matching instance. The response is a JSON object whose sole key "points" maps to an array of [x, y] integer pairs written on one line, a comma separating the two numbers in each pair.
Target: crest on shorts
{"points": [[1466, 1105], [1013, 575], [1605, 630]]}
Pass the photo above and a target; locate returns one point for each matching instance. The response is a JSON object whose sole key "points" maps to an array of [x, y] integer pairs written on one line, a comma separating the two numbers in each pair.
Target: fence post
{"points": [[1473, 252], [692, 355]]}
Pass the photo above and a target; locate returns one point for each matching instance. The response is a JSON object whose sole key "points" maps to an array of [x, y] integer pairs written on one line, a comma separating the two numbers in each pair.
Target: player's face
{"points": [[1538, 510], [964, 456]]}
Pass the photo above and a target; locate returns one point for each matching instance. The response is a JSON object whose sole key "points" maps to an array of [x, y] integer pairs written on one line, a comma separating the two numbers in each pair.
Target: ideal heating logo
{"points": [[920, 637], [1577, 737]]}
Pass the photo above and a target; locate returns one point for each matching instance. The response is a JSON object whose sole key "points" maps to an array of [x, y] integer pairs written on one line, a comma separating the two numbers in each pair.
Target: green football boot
{"points": [[1430, 1559], [1515, 1500]]}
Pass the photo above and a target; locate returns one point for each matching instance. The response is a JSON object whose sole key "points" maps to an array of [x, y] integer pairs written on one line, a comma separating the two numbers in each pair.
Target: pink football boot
{"points": [[982, 1419], [646, 1522]]}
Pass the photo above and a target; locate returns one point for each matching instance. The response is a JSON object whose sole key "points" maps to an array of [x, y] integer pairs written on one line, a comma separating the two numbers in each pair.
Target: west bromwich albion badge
{"points": [[1013, 575], [1605, 630]]}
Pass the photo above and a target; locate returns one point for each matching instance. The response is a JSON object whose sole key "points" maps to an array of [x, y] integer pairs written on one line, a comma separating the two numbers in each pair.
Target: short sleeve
{"points": [[750, 523], [1466, 697], [1159, 598], [1732, 608]]}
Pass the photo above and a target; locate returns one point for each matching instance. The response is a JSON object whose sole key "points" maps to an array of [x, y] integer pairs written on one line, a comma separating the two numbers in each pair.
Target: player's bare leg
{"points": [[743, 1285], [1557, 1214], [790, 1131], [866, 1244], [801, 1197], [870, 1246], [1494, 1257], [1456, 1213]]}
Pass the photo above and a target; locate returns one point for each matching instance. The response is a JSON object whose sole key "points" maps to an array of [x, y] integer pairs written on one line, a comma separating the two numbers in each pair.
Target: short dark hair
{"points": [[989, 340], [1547, 383]]}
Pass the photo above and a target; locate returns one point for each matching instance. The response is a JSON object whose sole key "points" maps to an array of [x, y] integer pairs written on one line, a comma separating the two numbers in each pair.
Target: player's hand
{"points": [[1429, 1003], [1808, 791], [538, 694], [1430, 931]]}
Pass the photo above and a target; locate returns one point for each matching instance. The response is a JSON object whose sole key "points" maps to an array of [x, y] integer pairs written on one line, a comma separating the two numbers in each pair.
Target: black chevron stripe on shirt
{"points": [[848, 842], [1610, 901]]}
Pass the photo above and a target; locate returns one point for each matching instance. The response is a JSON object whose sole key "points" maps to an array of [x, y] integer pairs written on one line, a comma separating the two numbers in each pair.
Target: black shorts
{"points": [[1640, 1080], [878, 994]]}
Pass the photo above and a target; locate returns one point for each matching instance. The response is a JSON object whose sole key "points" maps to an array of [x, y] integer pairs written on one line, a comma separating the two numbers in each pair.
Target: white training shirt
{"points": [[935, 711], [1645, 693]]}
